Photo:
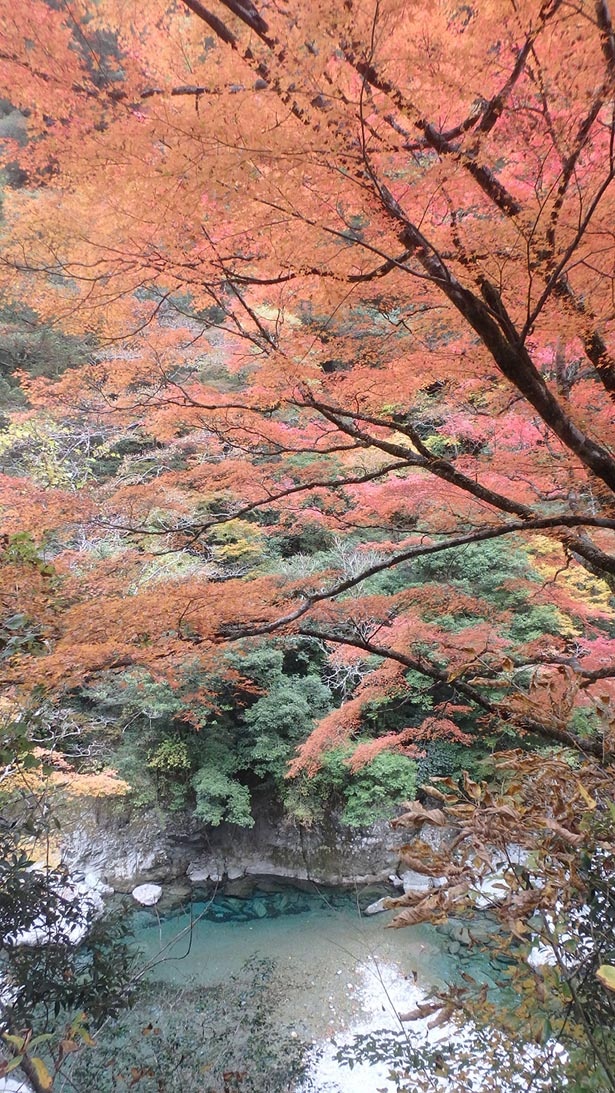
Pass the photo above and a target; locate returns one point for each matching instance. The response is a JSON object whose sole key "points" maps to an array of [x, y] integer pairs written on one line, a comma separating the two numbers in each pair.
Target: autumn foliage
{"points": [[348, 273]]}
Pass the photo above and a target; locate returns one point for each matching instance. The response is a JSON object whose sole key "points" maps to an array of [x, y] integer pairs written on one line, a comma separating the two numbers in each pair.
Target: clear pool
{"points": [[332, 958]]}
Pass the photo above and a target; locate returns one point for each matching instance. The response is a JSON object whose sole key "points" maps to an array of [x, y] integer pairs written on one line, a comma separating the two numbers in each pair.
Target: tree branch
{"points": [[549, 732], [310, 599]]}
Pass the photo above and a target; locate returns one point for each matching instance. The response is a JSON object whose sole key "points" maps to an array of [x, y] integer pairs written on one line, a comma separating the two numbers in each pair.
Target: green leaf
{"points": [[14, 1063], [43, 1038], [29, 762]]}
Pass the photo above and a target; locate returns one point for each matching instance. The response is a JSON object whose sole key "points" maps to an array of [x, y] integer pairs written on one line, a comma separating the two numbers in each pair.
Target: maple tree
{"points": [[343, 278], [351, 268]]}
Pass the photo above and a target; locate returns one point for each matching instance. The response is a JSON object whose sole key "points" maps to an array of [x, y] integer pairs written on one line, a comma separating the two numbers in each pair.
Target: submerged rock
{"points": [[240, 888], [459, 935]]}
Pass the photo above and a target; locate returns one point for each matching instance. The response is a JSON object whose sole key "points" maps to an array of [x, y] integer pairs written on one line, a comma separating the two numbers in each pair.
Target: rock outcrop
{"points": [[127, 846]]}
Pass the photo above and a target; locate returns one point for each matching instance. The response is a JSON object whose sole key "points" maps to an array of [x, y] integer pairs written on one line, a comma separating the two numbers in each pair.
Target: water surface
{"points": [[328, 952]]}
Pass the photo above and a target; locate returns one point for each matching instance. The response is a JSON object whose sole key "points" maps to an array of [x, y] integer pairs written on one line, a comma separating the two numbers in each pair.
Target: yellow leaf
{"points": [[589, 801], [606, 975], [44, 1077], [16, 1041]]}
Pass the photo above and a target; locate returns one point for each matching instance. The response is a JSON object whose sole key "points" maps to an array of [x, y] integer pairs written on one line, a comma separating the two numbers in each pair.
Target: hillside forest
{"points": [[307, 473]]}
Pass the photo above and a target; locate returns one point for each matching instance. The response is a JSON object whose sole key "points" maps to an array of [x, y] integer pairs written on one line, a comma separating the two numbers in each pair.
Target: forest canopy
{"points": [[307, 372], [333, 288]]}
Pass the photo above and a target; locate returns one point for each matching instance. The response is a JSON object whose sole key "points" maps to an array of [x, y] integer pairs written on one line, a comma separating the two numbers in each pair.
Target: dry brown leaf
{"points": [[518, 928], [445, 1015], [428, 910], [416, 815], [572, 837], [409, 899], [455, 892], [423, 1009], [432, 791], [428, 865]]}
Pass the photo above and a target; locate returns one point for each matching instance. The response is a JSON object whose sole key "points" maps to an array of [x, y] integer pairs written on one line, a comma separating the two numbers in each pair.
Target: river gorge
{"points": [[300, 900]]}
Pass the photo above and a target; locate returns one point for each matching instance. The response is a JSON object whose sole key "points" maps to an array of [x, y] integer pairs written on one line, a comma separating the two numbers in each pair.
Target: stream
{"points": [[343, 972]]}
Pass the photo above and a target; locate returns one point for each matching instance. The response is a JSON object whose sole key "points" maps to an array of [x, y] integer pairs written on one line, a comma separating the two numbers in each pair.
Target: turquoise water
{"points": [[331, 956]]}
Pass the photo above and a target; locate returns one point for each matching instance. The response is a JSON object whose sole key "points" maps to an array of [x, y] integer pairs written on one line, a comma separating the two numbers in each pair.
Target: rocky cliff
{"points": [[123, 845]]}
